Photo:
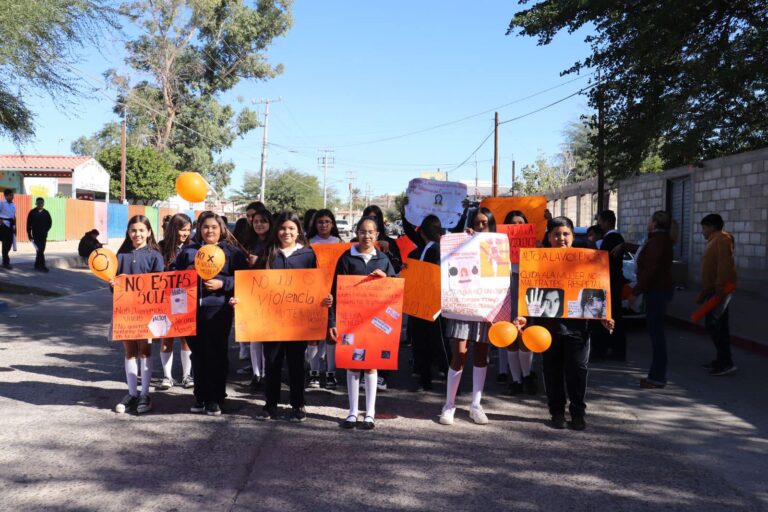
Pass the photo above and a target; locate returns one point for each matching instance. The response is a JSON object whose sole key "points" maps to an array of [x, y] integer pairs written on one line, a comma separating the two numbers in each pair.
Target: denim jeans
{"points": [[655, 310]]}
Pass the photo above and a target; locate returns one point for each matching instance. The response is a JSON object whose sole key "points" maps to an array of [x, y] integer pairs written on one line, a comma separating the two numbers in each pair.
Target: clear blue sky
{"points": [[356, 72]]}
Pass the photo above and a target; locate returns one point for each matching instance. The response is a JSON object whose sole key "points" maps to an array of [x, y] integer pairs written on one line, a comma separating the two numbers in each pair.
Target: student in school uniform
{"points": [[139, 254], [175, 238], [323, 230], [286, 249], [462, 333], [261, 225], [566, 361], [210, 361], [362, 259]]}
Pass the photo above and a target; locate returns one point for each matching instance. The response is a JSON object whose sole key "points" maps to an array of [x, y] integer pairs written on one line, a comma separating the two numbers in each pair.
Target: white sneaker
{"points": [[477, 415], [381, 384], [166, 383], [446, 417]]}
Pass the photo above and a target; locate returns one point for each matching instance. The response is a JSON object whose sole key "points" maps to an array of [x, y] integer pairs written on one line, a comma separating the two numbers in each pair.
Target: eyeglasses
{"points": [[366, 233]]}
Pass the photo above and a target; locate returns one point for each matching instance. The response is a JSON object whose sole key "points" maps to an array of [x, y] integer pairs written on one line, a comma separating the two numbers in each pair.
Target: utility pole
{"points": [[600, 148], [513, 177], [325, 161], [122, 156], [495, 189], [476, 189], [367, 194], [351, 217], [266, 103]]}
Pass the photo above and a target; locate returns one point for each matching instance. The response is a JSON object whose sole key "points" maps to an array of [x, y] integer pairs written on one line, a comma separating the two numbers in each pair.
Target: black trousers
{"points": [[720, 332], [565, 372], [274, 353], [428, 347], [6, 238], [40, 258], [613, 344], [210, 356]]}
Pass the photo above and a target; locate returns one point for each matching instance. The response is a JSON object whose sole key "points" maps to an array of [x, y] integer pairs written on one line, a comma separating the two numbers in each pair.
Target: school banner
{"points": [[422, 289], [159, 305], [519, 235], [368, 320], [441, 198], [280, 305], [564, 283], [532, 206], [475, 277]]}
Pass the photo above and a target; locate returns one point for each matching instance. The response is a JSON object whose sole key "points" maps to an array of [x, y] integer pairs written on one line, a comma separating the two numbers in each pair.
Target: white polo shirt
{"points": [[7, 211]]}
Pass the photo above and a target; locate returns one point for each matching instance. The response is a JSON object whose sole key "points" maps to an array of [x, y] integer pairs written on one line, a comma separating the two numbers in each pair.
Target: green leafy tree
{"points": [[149, 174], [187, 53], [542, 176], [680, 80], [286, 190], [39, 39]]}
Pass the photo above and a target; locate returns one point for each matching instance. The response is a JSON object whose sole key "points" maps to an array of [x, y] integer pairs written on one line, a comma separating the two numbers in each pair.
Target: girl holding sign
{"points": [[322, 231], [462, 332], [286, 249], [139, 254], [210, 361], [362, 259], [175, 238], [261, 222], [518, 358], [565, 362]]}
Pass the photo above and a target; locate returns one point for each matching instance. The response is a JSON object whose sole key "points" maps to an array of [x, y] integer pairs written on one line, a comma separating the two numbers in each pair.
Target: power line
{"points": [[584, 89], [475, 151]]}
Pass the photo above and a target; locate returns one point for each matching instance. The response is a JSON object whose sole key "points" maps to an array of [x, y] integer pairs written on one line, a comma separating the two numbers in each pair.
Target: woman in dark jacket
{"points": [[654, 281], [210, 359]]}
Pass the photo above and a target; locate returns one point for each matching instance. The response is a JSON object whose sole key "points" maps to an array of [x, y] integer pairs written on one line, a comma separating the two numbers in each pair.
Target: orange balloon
{"points": [[103, 263], [192, 187], [537, 339], [502, 334], [209, 261]]}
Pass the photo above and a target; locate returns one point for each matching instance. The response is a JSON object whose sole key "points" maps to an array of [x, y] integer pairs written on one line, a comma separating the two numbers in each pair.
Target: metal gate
{"points": [[679, 206]]}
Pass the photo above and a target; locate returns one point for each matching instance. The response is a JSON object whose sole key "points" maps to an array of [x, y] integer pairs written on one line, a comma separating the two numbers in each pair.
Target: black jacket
{"points": [[235, 260], [349, 265], [38, 224], [87, 245], [140, 261], [432, 255]]}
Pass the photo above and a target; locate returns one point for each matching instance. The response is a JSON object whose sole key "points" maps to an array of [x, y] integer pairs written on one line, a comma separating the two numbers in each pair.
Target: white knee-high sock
{"points": [[370, 393], [514, 365], [146, 371], [257, 359], [454, 379], [186, 362], [526, 359], [330, 357], [478, 382], [353, 390], [314, 361], [503, 361], [132, 375], [166, 358]]}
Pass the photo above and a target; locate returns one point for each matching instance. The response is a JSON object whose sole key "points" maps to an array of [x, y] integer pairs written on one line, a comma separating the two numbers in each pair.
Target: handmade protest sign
{"points": [[159, 305], [327, 256], [280, 305], [422, 289], [532, 206], [475, 278], [564, 283], [405, 245], [441, 198], [519, 235], [368, 320]]}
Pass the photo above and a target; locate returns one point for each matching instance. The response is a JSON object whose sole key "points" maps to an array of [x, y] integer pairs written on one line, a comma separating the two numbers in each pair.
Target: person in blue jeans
{"points": [[654, 281]]}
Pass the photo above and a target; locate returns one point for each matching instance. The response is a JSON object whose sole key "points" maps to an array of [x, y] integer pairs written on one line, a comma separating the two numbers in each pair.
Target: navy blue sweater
{"points": [[303, 257], [140, 261], [235, 260], [349, 265]]}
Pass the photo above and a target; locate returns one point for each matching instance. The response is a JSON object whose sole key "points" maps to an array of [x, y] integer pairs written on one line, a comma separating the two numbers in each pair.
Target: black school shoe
{"points": [[298, 414], [198, 407], [270, 412], [577, 423], [350, 422], [558, 421], [212, 409]]}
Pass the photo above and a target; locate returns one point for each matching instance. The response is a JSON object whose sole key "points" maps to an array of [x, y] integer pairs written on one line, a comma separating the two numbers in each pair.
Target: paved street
{"points": [[700, 444]]}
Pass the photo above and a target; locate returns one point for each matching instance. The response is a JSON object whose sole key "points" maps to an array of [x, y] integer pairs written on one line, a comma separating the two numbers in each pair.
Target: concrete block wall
{"points": [[640, 197]]}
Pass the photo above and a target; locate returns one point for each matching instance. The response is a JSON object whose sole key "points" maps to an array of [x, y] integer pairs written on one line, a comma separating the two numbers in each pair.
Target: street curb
{"points": [[752, 346]]}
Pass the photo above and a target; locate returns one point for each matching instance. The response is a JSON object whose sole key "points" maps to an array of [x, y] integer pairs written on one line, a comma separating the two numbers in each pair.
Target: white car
{"points": [[344, 229]]}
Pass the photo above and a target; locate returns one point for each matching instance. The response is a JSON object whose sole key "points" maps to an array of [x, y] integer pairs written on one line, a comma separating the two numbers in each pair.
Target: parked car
{"points": [[344, 228]]}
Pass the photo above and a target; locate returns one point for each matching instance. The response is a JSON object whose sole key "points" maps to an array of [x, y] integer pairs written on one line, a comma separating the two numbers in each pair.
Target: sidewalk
{"points": [[744, 313]]}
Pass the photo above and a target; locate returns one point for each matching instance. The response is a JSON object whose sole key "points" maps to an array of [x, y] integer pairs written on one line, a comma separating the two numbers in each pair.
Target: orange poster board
{"points": [[327, 257], [159, 305], [368, 321], [532, 206], [520, 235], [280, 305], [422, 289], [405, 245], [564, 283]]}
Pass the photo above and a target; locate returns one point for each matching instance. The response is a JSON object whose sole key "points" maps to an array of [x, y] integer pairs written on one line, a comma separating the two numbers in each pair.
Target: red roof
{"points": [[32, 162]]}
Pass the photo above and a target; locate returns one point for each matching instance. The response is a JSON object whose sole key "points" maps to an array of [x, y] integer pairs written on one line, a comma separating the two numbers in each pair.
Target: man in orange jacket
{"points": [[718, 268]]}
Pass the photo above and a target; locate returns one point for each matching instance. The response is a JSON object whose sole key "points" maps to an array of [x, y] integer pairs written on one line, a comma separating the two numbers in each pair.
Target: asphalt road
{"points": [[699, 444]]}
